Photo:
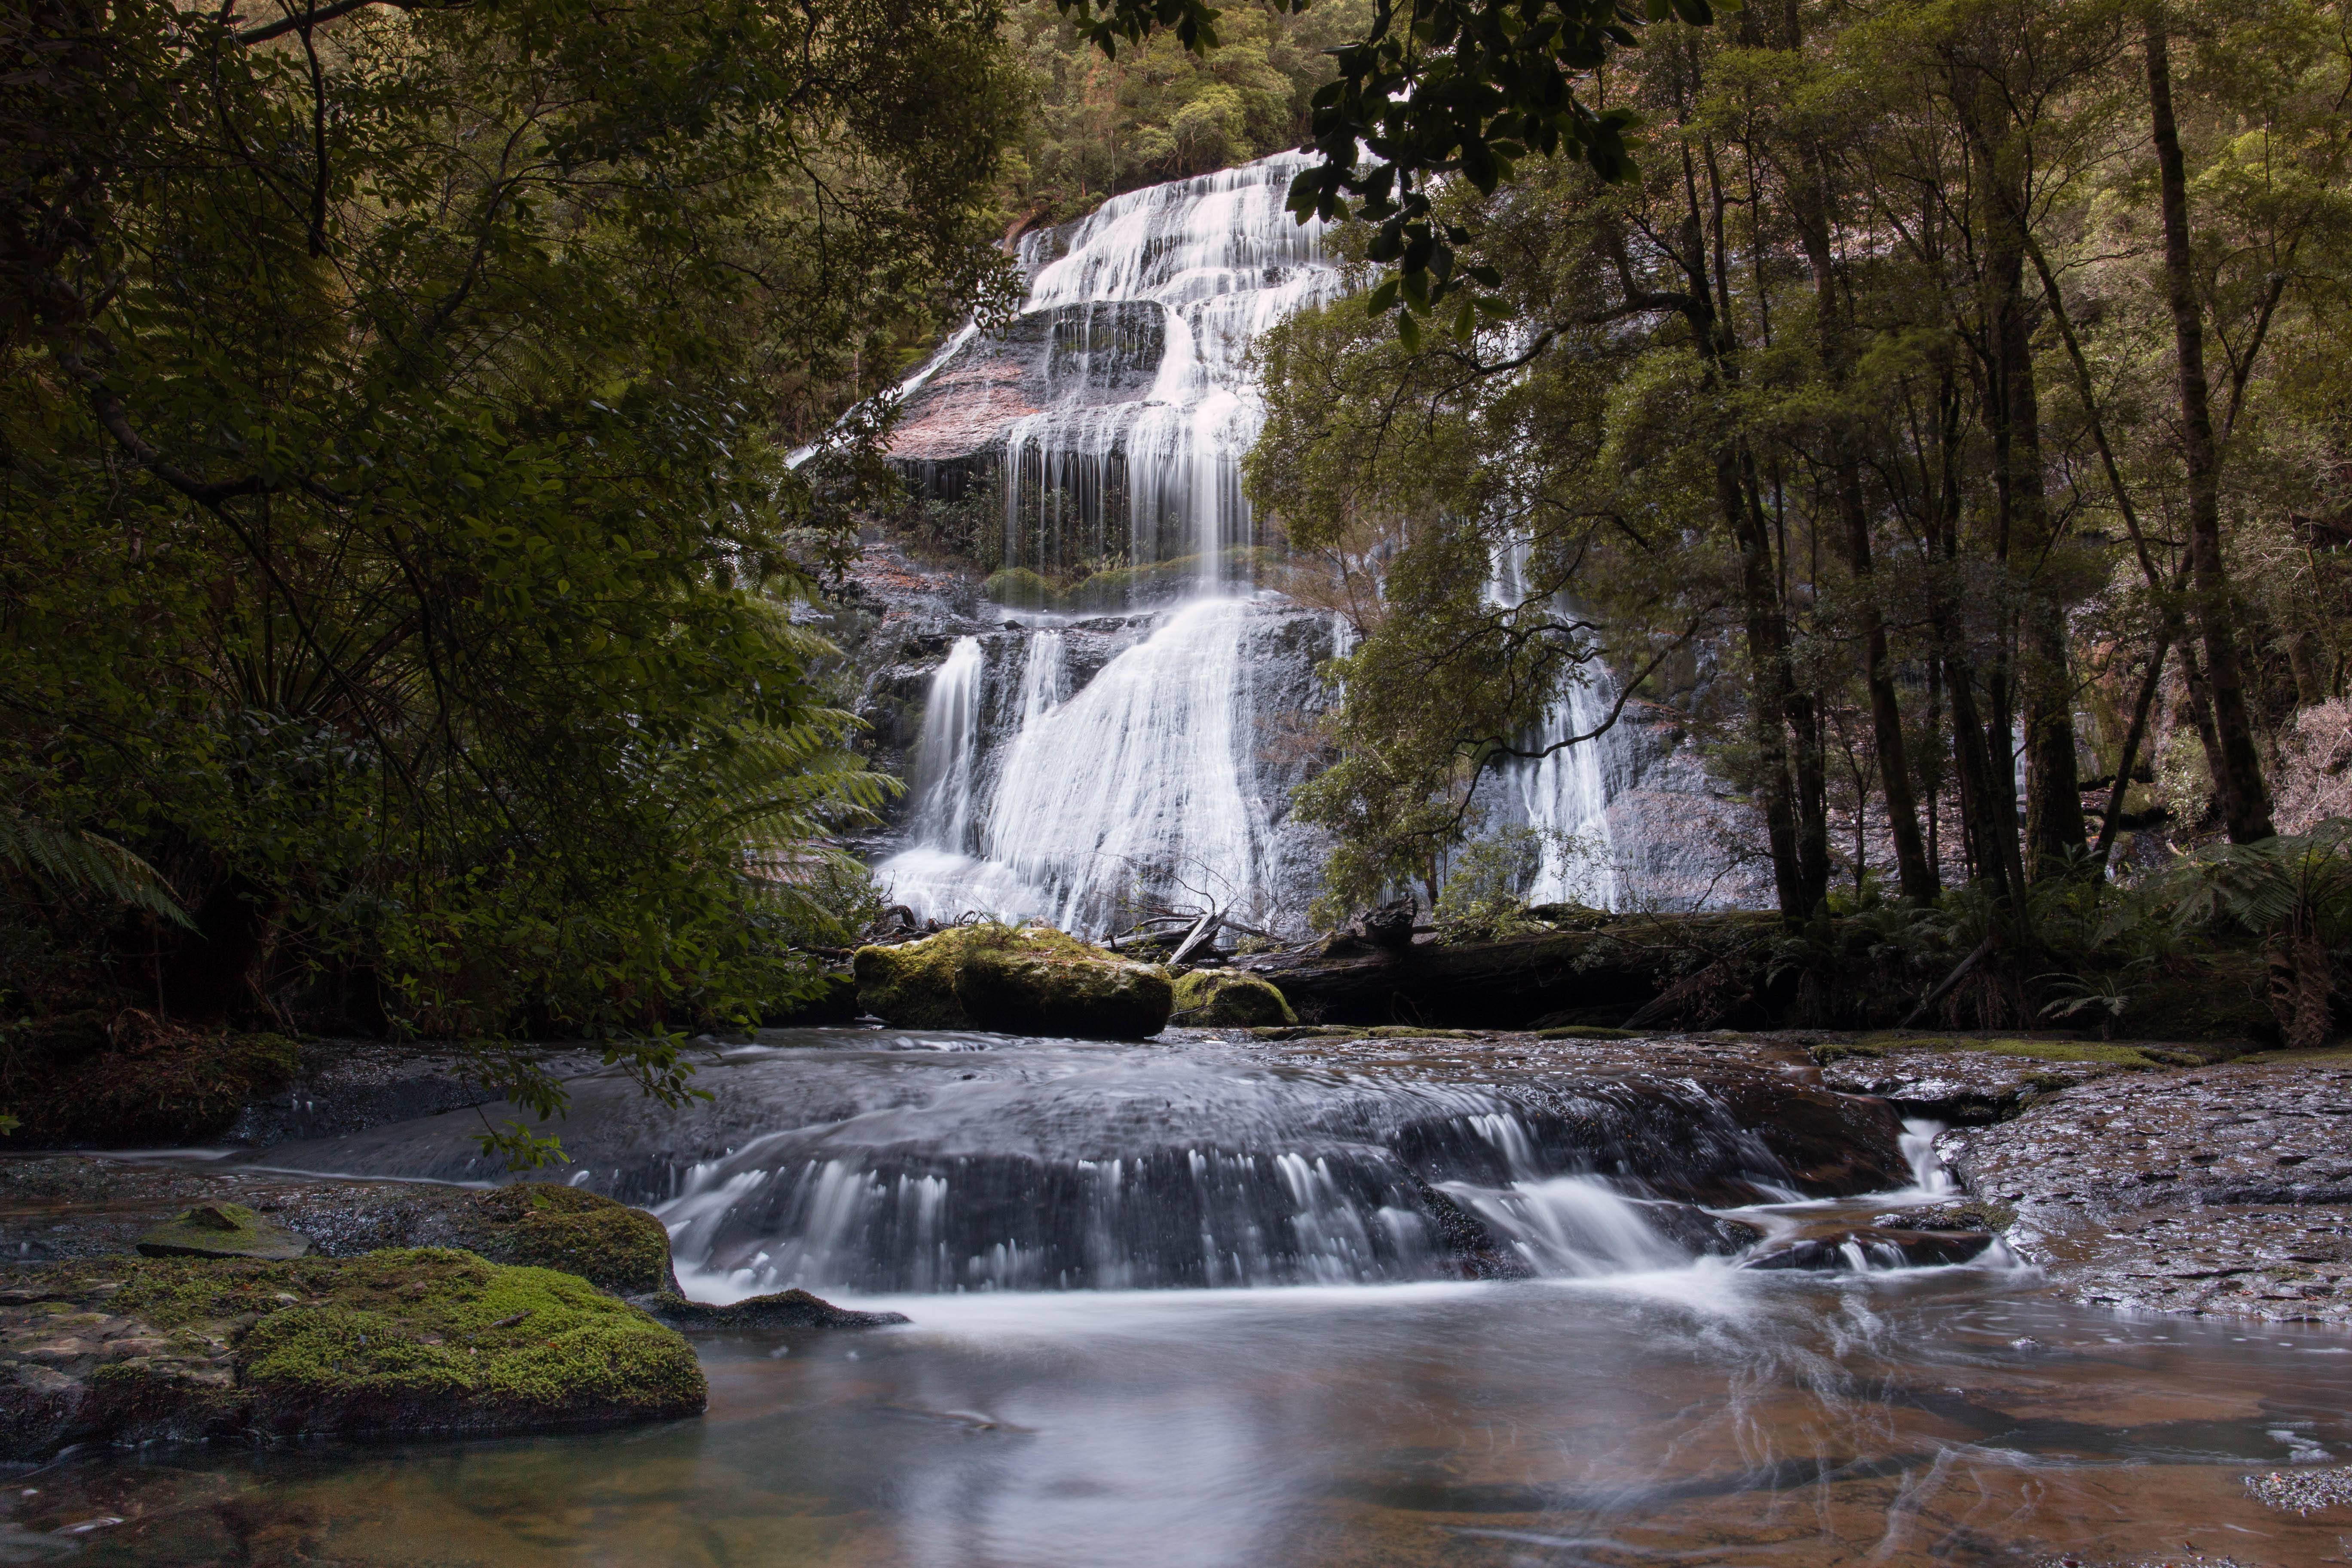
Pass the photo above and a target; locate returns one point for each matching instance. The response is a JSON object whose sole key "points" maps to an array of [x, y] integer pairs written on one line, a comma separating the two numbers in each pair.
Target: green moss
{"points": [[1585, 1032], [912, 985], [1313, 1032], [421, 1338], [222, 1230], [2107, 1055], [1413, 1032], [1021, 980], [1043, 989], [610, 1245], [1223, 998], [1019, 585], [2314, 1058]]}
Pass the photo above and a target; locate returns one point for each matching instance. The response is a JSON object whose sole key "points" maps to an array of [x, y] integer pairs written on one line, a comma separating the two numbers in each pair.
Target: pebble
{"points": [[2303, 1490]]}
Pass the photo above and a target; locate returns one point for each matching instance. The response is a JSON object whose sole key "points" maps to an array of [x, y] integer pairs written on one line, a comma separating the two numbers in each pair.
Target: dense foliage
{"points": [[397, 554], [1956, 387]]}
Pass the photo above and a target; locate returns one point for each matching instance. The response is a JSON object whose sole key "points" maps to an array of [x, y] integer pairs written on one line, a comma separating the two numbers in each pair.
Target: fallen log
{"points": [[1600, 975]]}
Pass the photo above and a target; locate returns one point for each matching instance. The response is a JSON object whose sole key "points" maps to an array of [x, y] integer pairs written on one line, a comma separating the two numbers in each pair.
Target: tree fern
{"points": [[69, 860]]}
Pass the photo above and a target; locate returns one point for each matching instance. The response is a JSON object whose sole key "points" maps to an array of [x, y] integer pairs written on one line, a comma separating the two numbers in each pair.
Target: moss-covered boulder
{"points": [[1026, 979], [424, 1340], [1092, 996], [912, 983], [1216, 998], [611, 1246], [223, 1230]]}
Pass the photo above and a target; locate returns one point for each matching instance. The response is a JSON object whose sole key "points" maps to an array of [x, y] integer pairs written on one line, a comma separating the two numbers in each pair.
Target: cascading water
{"points": [[1113, 418], [1565, 795]]}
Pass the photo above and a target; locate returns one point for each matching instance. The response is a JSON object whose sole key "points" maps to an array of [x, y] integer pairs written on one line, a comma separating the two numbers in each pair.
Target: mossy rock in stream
{"points": [[611, 1246], [1214, 998], [409, 1341], [1029, 980], [1032, 988]]}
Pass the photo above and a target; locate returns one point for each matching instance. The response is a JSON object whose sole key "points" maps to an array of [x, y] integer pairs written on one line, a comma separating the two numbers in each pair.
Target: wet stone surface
{"points": [[2220, 1191], [1957, 1086]]}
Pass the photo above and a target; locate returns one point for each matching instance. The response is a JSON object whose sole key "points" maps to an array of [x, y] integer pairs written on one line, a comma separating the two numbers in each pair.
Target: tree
{"points": [[396, 512]]}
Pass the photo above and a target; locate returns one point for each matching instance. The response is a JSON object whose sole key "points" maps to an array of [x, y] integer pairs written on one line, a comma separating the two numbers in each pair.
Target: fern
{"points": [[69, 860]]}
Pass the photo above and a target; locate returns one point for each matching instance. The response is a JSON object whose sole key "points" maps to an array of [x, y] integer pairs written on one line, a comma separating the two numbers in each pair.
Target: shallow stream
{"points": [[1338, 1403]]}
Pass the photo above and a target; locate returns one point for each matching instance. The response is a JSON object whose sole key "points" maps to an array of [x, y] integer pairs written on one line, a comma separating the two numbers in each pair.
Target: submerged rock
{"points": [[782, 1309], [1031, 980], [1874, 1248], [2220, 1191], [223, 1230], [1208, 998], [129, 1352]]}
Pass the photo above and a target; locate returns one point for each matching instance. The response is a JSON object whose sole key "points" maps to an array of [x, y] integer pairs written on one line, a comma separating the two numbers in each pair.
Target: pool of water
{"points": [[1697, 1416]]}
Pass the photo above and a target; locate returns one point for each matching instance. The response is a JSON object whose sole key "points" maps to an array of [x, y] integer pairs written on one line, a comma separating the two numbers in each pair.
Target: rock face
{"points": [[1211, 998], [1029, 981], [223, 1230], [414, 1341]]}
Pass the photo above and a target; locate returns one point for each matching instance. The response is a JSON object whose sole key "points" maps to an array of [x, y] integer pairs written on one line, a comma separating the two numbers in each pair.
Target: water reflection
{"points": [[1697, 1414]]}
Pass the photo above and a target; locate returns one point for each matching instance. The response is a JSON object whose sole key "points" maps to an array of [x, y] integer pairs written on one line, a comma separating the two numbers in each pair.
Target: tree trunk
{"points": [[2238, 778], [2053, 817], [1914, 872]]}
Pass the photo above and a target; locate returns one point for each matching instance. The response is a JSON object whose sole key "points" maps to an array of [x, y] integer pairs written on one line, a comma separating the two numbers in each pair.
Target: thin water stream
{"points": [[1342, 1397]]}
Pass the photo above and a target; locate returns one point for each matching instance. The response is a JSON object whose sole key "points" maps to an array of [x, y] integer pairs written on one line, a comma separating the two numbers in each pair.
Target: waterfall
{"points": [[948, 749], [1034, 1165], [1113, 417], [1221, 261], [1565, 795], [1140, 774]]}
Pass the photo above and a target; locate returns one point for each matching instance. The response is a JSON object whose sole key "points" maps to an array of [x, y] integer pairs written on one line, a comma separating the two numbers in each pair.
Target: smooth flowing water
{"points": [[1634, 1399]]}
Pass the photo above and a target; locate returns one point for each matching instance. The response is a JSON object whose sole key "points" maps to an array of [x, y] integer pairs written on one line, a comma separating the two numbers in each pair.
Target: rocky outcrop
{"points": [[1027, 981], [2222, 1191], [781, 1309], [129, 1352], [1214, 998], [67, 1206]]}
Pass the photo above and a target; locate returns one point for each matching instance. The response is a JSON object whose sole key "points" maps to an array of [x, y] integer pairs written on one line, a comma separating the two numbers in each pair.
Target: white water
{"points": [[1224, 262], [1565, 795]]}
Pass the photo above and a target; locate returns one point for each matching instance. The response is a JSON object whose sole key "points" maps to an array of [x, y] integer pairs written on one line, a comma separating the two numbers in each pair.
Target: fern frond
{"points": [[76, 860]]}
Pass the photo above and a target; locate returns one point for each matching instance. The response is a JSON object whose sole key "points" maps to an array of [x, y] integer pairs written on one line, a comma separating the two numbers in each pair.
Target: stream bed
{"points": [[1635, 1398]]}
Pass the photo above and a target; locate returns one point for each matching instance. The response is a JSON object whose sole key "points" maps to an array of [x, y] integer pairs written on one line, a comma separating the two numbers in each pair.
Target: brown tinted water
{"points": [[1699, 1416]]}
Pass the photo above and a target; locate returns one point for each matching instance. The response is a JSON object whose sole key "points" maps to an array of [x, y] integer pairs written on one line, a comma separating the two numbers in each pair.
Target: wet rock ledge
{"points": [[2221, 1191]]}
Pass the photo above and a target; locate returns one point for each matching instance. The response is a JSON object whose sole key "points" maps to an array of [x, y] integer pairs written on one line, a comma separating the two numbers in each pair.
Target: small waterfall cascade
{"points": [[1221, 261], [1112, 420], [1130, 1176], [1565, 795]]}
